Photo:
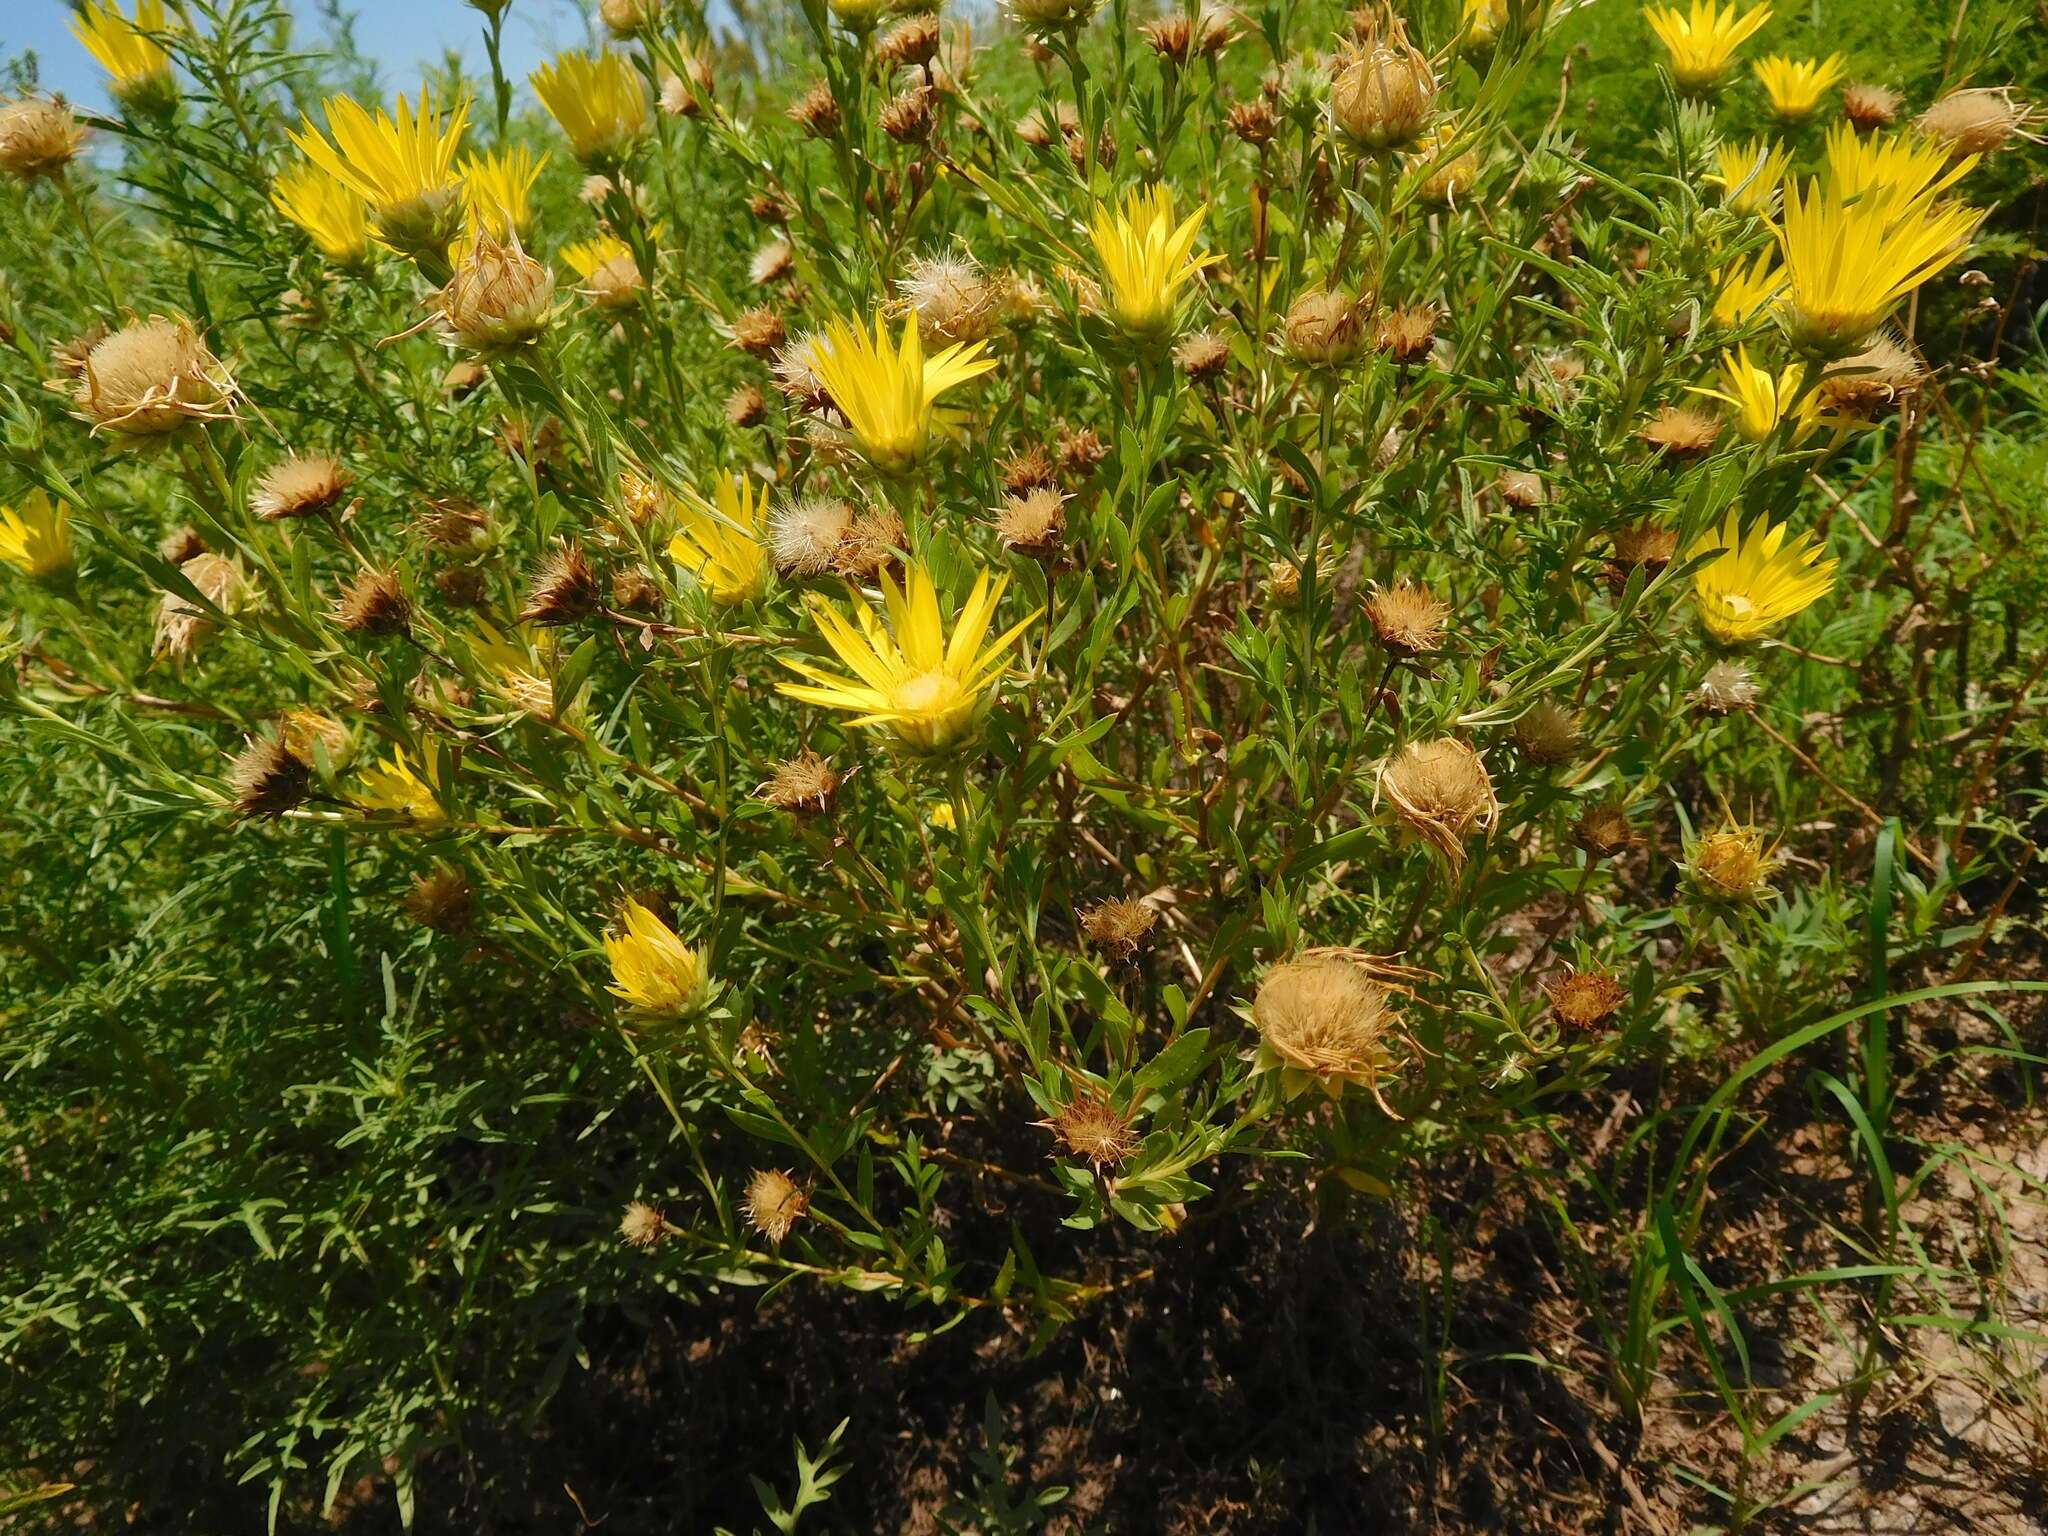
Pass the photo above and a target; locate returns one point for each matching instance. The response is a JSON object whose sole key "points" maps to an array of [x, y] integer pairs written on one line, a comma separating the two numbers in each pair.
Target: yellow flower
{"points": [[609, 269], [1483, 21], [1754, 584], [332, 215], [722, 544], [403, 167], [138, 69], [1796, 86], [1910, 167], [496, 189], [35, 538], [1759, 399], [1746, 292], [1146, 259], [1848, 263], [1702, 42], [1750, 175], [653, 970], [516, 666], [394, 786], [600, 102], [886, 391], [931, 691]]}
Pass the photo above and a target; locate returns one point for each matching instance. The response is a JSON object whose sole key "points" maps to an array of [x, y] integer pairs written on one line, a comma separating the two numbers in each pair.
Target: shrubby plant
{"points": [[633, 695]]}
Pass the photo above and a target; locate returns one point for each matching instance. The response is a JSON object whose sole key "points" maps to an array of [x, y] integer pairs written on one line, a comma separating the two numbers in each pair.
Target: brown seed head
{"points": [[1680, 432], [1203, 355], [1385, 92], [465, 376], [442, 899], [150, 377], [908, 117], [180, 545], [565, 589], [1870, 107], [1548, 733], [298, 486], [1090, 1126], [1863, 385], [1640, 544], [1407, 332], [642, 499], [268, 778], [759, 332], [462, 585], [768, 208], [816, 112], [912, 41], [746, 406], [451, 522], [1407, 619], [1603, 830], [70, 356], [1441, 789], [1520, 488], [1323, 328], [1027, 469], [38, 137], [1584, 1000], [775, 1203], [1033, 523], [634, 591], [871, 545], [374, 604], [805, 784], [1323, 1020], [1119, 925], [1253, 121], [642, 1226], [1979, 121], [1080, 450]]}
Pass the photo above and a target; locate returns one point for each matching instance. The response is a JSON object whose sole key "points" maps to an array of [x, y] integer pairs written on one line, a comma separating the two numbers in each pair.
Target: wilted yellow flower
{"points": [[1702, 41], [928, 689], [497, 190], [1754, 584], [331, 213], [1796, 86], [138, 69], [886, 391], [1747, 291], [35, 538], [1323, 1021], [1750, 174], [499, 296], [1383, 93], [1758, 398], [653, 970], [396, 787], [610, 272], [723, 543], [1847, 263], [1910, 167], [1146, 259], [600, 102], [403, 167], [1732, 863]]}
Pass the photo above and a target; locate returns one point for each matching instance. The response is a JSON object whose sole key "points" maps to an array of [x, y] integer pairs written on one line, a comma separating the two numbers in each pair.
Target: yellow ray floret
{"points": [[329, 211], [1146, 259], [600, 102], [1758, 397], [1748, 291], [930, 690], [1796, 86], [653, 970], [1847, 263], [137, 66], [1703, 40], [1750, 174], [497, 190], [723, 542], [403, 166], [35, 538], [1754, 584], [886, 390], [1913, 169], [396, 787]]}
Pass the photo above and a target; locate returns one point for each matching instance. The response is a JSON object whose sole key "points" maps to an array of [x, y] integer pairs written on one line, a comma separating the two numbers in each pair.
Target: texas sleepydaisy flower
{"points": [[723, 542], [1908, 166], [930, 690], [1748, 291], [1702, 41], [653, 970], [1754, 584], [1146, 259], [886, 391], [403, 167], [610, 271], [331, 213], [1847, 263], [1750, 174], [138, 69], [600, 103], [1759, 398], [497, 190], [1796, 86], [35, 538], [396, 787]]}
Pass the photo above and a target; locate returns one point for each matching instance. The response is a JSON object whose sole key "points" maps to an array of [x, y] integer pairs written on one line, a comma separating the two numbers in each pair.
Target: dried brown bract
{"points": [[1119, 925]]}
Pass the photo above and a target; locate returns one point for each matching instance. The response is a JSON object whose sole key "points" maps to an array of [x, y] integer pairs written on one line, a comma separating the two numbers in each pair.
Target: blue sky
{"points": [[398, 34]]}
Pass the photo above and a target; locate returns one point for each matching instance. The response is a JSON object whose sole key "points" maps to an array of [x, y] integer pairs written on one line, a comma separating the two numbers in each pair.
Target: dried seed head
{"points": [[268, 778], [1324, 1021], [1323, 328], [565, 589], [150, 377], [1584, 1000], [451, 522], [642, 1226], [1732, 863], [1033, 523], [1640, 544], [1603, 830], [772, 263], [1520, 488], [70, 356], [676, 98], [768, 208], [499, 297], [1027, 469], [952, 300], [1080, 450], [442, 899], [1979, 121], [805, 784], [1680, 432], [1090, 1126], [615, 283], [816, 111], [759, 332], [180, 545], [912, 41], [1407, 332], [796, 373], [1727, 687], [1253, 121], [38, 137], [299, 486], [374, 604], [746, 406], [180, 623], [804, 535], [462, 585], [1441, 789], [1407, 619], [870, 546], [1119, 926], [1870, 107], [1863, 385], [1548, 733], [1203, 355], [1384, 94], [465, 376], [634, 591], [775, 1203], [908, 117]]}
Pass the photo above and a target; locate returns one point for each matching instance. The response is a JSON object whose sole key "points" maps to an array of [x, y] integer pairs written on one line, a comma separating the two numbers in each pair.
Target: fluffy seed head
{"points": [[804, 535], [642, 1226], [1033, 523], [38, 137], [952, 299], [374, 604], [1520, 488], [772, 263], [150, 377], [870, 545], [1727, 687], [1680, 432], [775, 1203], [1119, 925], [299, 486], [1871, 106], [746, 406], [1323, 1021], [1548, 733], [565, 589], [1978, 121], [1407, 619], [1323, 328], [805, 784], [268, 778], [759, 332], [442, 899], [1864, 384], [796, 373], [1584, 1000], [1089, 1126], [1441, 789], [1203, 355]]}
